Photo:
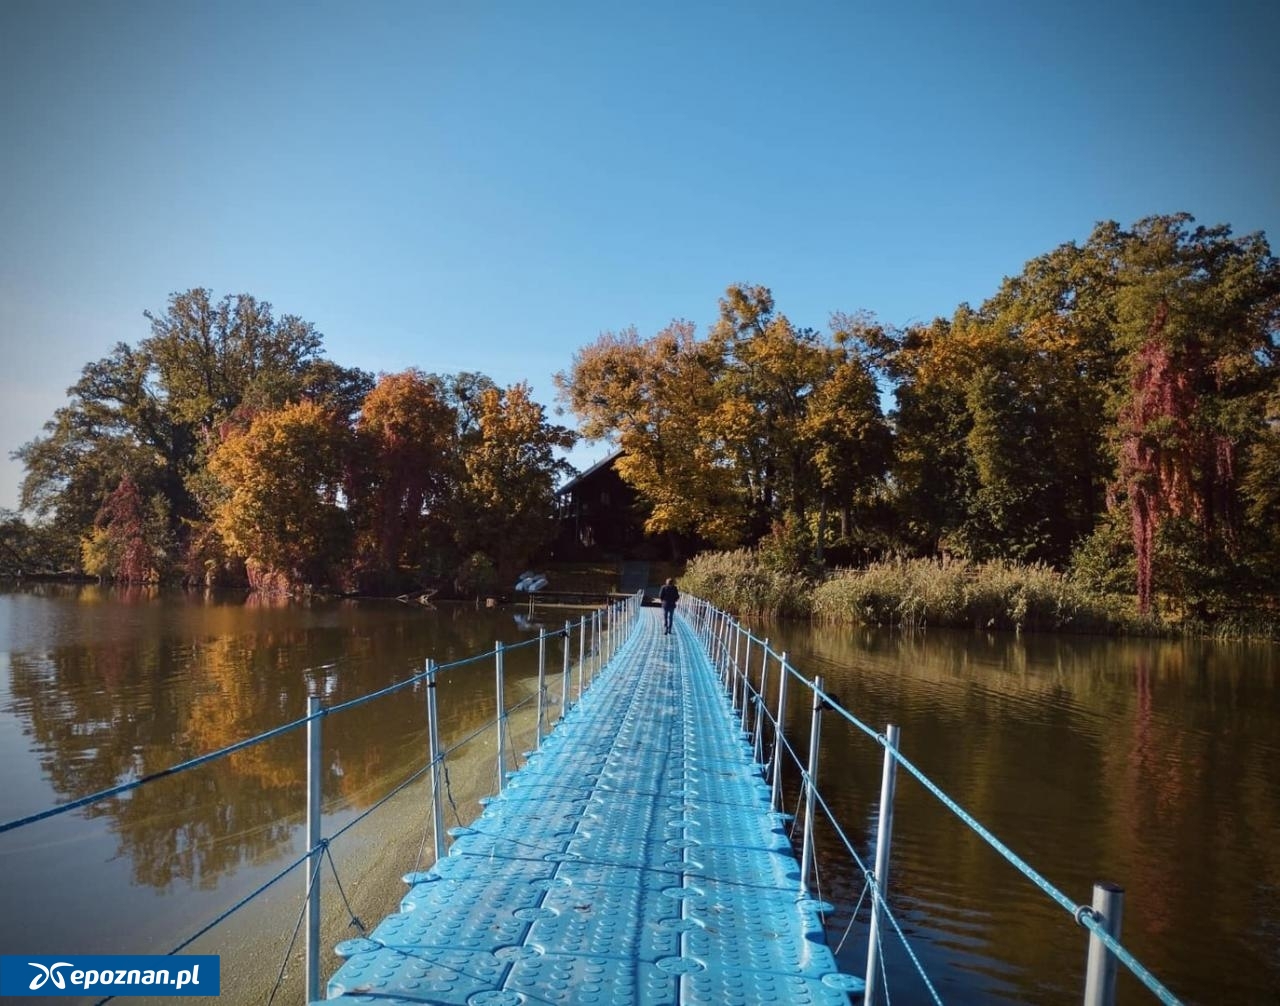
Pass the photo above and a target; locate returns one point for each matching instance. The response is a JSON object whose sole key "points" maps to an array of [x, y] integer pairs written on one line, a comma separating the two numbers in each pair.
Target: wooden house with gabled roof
{"points": [[600, 516]]}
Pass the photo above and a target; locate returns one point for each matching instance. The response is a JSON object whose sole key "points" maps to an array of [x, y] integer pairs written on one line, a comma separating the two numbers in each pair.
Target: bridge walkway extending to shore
{"points": [[633, 859]]}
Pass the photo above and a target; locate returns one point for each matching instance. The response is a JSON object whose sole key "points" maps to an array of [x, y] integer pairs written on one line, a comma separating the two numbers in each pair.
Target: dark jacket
{"points": [[668, 595]]}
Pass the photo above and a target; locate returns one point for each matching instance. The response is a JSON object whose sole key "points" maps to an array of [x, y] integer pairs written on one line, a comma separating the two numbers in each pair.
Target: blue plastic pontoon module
{"points": [[633, 860]]}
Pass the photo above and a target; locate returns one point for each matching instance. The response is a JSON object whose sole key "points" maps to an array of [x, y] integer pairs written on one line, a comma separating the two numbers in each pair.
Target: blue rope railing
{"points": [[204, 759], [133, 784], [1083, 914], [869, 876], [323, 846]]}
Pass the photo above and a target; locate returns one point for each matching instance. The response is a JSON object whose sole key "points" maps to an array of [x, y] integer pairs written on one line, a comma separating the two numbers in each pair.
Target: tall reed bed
{"points": [[992, 595], [739, 582], [955, 593]]}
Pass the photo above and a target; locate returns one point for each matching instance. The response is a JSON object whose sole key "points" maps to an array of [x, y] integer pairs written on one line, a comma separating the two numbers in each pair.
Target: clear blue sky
{"points": [[488, 186]]}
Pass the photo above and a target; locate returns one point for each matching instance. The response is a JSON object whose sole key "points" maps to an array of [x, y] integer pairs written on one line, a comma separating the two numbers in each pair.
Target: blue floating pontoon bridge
{"points": [[633, 859], [638, 857]]}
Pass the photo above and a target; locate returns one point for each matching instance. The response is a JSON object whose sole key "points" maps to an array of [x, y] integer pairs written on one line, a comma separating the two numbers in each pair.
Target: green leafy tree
{"points": [[150, 412], [1001, 414], [1260, 486], [113, 427], [32, 547], [1130, 373], [932, 473], [1198, 316]]}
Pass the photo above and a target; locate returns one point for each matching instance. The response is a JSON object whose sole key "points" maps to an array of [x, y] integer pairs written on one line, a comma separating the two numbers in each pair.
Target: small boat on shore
{"points": [[530, 582]]}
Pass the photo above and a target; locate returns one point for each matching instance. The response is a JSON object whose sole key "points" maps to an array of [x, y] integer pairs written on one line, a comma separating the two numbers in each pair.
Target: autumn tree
{"points": [[848, 442], [772, 369], [126, 543], [150, 412], [510, 474], [656, 398], [759, 423], [282, 478], [402, 471]]}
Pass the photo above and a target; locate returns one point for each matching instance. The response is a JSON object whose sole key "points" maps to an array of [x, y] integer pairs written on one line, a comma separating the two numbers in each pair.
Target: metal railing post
{"points": [[564, 684], [723, 655], [542, 684], [811, 782], [758, 746], [597, 646], [884, 838], [779, 735], [746, 684], [502, 715], [582, 650], [314, 796], [737, 665], [745, 666], [735, 672], [437, 762], [1100, 975]]}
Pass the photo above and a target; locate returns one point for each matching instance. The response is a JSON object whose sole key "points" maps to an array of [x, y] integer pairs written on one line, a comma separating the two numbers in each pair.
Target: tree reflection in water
{"points": [[1153, 763], [192, 675]]}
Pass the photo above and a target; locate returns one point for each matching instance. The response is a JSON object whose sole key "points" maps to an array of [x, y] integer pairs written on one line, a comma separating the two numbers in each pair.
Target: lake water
{"points": [[1152, 764]]}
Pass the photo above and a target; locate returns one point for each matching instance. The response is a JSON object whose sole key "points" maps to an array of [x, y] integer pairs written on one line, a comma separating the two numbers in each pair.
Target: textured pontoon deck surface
{"points": [[633, 860]]}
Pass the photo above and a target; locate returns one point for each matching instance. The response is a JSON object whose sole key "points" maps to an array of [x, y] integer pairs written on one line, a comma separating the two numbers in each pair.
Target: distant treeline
{"points": [[224, 447], [1111, 413]]}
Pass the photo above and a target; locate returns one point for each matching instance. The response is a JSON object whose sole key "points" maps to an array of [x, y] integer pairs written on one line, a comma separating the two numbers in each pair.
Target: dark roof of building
{"points": [[581, 477]]}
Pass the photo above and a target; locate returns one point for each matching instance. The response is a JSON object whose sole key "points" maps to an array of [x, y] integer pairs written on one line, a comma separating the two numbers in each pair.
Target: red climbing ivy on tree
{"points": [[117, 548], [1171, 463]]}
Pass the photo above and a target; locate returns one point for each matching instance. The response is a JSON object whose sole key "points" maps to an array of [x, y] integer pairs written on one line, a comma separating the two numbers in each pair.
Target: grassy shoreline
{"points": [[916, 593]]}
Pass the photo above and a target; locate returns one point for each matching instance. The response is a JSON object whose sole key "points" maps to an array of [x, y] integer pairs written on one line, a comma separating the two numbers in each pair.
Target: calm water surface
{"points": [[100, 686], [1152, 764]]}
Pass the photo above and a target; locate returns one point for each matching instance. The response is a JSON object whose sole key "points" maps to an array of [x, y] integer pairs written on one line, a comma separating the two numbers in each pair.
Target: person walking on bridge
{"points": [[668, 595]]}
